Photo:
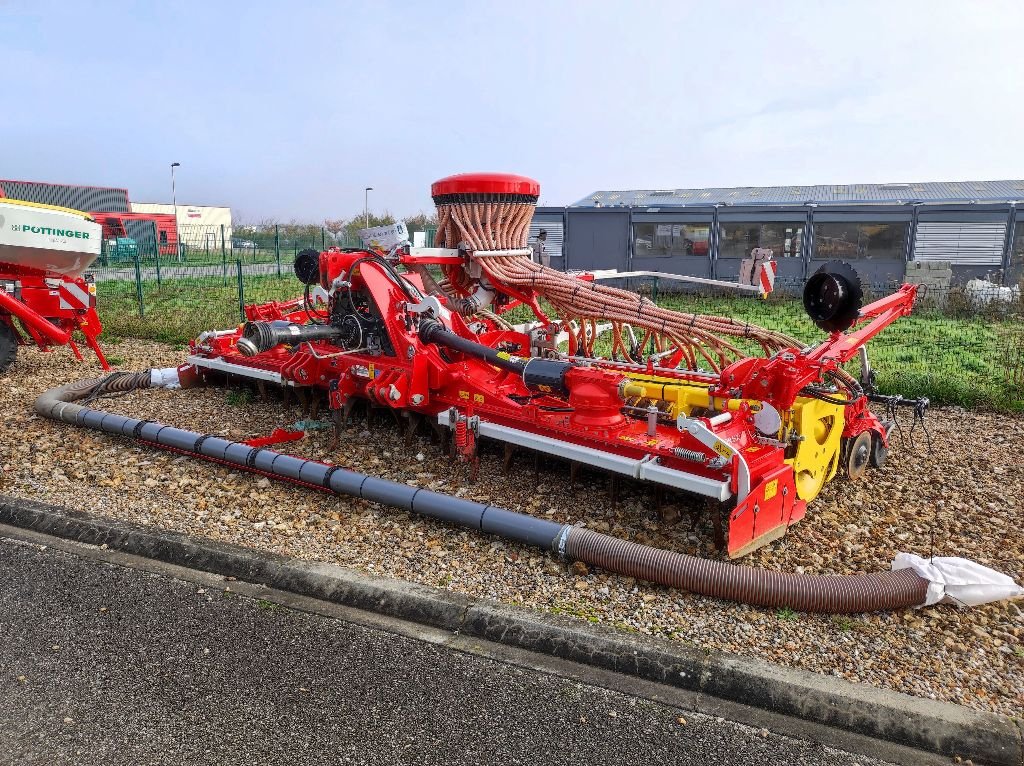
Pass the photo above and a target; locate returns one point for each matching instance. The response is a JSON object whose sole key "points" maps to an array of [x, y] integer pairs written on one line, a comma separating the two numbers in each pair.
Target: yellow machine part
{"points": [[820, 423], [817, 456], [682, 398]]}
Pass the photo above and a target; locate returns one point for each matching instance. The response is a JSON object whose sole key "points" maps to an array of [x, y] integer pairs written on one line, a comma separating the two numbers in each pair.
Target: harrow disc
{"points": [[858, 455]]}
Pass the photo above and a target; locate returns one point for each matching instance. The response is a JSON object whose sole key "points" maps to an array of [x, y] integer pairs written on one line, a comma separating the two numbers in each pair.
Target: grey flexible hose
{"points": [[809, 593]]}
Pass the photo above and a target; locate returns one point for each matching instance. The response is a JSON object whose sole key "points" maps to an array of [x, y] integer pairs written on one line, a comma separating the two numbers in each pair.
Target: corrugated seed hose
{"points": [[834, 594]]}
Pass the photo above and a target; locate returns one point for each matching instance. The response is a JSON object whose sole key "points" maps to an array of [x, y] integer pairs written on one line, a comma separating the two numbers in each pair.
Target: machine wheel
{"points": [[879, 452], [858, 455], [8, 346]]}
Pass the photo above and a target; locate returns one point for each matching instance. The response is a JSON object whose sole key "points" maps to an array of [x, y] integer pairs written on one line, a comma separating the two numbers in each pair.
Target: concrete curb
{"points": [[937, 727]]}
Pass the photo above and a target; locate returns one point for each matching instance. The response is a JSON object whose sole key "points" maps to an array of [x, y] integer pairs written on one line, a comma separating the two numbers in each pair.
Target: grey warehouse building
{"points": [[877, 227]]}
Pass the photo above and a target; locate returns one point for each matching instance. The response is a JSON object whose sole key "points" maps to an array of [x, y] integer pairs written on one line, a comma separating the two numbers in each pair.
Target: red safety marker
{"points": [[767, 277]]}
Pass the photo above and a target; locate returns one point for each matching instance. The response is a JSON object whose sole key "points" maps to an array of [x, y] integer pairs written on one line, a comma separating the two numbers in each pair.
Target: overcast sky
{"points": [[289, 109]]}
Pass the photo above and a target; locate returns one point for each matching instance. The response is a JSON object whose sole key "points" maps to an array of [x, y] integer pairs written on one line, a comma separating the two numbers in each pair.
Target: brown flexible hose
{"points": [[699, 340], [832, 594]]}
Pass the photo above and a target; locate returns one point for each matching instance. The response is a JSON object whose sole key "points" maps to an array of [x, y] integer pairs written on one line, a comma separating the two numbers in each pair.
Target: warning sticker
{"points": [[722, 449], [771, 489]]}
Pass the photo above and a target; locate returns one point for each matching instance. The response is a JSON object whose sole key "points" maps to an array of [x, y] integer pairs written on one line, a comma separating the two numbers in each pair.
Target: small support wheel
{"points": [[858, 455], [879, 452], [8, 346]]}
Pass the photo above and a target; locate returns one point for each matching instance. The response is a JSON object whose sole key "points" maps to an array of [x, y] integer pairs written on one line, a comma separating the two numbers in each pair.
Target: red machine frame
{"points": [[46, 309], [573, 408]]}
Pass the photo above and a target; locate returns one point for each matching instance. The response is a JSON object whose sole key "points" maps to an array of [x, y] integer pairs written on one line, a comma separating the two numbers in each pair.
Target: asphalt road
{"points": [[104, 664]]}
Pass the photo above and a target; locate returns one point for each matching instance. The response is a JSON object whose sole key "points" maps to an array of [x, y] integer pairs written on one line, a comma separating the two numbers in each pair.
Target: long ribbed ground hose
{"points": [[808, 593]]}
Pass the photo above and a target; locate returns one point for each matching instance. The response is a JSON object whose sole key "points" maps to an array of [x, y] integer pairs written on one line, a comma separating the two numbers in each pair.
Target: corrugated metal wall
{"points": [[85, 198], [961, 243], [555, 240]]}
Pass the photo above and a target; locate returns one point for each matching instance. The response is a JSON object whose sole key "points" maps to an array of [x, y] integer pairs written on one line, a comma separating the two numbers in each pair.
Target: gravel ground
{"points": [[964, 495]]}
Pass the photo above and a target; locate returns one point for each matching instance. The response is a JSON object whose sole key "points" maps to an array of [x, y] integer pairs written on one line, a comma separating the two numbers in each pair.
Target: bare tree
{"points": [[334, 225]]}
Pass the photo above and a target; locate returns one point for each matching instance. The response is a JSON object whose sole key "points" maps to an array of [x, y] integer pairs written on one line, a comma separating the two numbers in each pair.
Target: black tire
{"points": [[8, 346]]}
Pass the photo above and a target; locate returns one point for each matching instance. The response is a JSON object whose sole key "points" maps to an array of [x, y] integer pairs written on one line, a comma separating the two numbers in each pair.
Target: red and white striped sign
{"points": [[766, 276], [72, 296]]}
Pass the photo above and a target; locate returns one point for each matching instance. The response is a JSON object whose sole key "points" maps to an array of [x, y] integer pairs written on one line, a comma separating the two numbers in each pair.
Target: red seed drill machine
{"points": [[752, 420], [662, 397]]}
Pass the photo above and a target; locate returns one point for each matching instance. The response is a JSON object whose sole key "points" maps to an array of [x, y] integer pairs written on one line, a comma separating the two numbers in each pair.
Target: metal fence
{"points": [[958, 347], [220, 245], [174, 302]]}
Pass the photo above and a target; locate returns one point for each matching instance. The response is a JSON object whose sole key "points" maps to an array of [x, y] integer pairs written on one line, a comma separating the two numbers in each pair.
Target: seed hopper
{"points": [[45, 295]]}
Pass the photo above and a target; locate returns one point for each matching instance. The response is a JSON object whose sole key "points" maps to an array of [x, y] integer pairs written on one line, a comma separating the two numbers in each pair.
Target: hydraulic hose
{"points": [[432, 331], [718, 579]]}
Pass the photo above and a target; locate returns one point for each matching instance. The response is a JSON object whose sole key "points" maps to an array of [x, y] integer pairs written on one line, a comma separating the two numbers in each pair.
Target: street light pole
{"points": [[174, 200], [366, 206]]}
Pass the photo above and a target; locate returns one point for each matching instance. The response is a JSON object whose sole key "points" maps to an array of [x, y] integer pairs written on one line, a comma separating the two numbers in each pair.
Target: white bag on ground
{"points": [[164, 377], [959, 581]]}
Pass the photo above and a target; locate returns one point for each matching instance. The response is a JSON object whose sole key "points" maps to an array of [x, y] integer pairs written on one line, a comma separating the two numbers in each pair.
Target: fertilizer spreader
{"points": [[45, 295]]}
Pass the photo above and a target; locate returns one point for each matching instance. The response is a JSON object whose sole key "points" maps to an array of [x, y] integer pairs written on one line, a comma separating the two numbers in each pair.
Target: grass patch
{"points": [[238, 397], [959, 360], [786, 614], [951, 360], [179, 309], [581, 611], [842, 623]]}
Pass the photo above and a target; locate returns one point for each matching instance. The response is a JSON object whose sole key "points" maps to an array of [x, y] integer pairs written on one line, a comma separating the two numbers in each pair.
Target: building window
{"points": [[163, 237], [785, 239], [669, 239], [857, 240]]}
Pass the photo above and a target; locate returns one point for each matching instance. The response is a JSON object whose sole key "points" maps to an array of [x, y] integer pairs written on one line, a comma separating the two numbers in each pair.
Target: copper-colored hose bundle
{"points": [[489, 224], [694, 338]]}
